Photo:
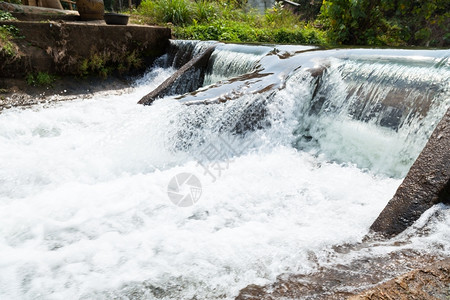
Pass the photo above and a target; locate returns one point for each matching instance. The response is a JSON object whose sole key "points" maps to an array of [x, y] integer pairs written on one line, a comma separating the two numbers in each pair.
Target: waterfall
{"points": [[387, 106], [230, 61], [373, 108], [181, 52], [297, 151]]}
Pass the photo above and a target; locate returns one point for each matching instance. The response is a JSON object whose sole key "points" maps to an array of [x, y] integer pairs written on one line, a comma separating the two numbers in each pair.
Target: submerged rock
{"points": [[427, 183], [359, 279], [432, 282]]}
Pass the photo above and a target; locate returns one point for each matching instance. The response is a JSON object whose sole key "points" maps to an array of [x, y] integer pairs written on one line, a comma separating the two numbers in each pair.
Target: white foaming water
{"points": [[84, 210], [400, 105]]}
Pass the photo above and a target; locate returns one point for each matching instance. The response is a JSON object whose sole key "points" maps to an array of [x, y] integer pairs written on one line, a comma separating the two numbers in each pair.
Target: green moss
{"points": [[6, 44], [41, 79], [105, 63], [84, 67], [133, 61]]}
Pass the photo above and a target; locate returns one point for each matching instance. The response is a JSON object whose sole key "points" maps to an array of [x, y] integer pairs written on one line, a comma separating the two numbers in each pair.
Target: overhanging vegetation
{"points": [[338, 22]]}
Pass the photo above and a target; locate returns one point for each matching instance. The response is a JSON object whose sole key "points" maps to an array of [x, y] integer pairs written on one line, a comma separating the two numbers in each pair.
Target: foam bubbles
{"points": [[84, 210]]}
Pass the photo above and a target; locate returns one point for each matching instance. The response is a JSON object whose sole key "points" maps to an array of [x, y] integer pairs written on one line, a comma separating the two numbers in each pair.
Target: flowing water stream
{"points": [[291, 165]]}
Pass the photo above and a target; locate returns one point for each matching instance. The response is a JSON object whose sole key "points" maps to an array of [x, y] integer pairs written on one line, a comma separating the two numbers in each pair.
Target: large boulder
{"points": [[427, 183], [429, 283]]}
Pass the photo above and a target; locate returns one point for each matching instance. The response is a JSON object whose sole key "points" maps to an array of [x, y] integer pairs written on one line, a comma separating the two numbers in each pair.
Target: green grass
{"points": [[340, 22], [228, 21]]}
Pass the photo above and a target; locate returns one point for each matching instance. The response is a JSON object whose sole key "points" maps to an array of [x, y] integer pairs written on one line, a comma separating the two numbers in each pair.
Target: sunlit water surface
{"points": [[85, 214]]}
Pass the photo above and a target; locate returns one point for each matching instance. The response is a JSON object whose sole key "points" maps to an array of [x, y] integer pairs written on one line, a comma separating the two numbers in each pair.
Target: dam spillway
{"points": [[292, 165]]}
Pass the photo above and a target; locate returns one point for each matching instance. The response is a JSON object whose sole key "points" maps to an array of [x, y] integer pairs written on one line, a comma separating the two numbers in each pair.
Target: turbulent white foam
{"points": [[345, 136], [260, 218], [84, 210]]}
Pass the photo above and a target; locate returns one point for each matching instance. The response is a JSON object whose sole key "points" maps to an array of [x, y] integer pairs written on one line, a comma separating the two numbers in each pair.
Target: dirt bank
{"points": [[16, 92]]}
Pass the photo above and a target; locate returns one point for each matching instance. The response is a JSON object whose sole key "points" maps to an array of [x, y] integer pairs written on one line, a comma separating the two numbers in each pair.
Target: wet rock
{"points": [[341, 281], [427, 183], [432, 282], [187, 79]]}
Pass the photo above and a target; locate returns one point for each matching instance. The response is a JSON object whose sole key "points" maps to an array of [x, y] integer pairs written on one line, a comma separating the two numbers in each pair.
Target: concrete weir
{"points": [[63, 47], [428, 180], [427, 183]]}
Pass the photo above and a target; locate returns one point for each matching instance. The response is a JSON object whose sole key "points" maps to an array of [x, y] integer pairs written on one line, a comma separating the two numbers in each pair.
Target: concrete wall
{"points": [[63, 47]]}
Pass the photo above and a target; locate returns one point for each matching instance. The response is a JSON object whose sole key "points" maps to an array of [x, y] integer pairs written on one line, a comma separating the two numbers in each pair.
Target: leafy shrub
{"points": [[13, 1], [7, 33], [177, 12], [205, 11], [278, 17], [227, 21], [386, 22], [241, 32], [352, 22], [5, 15], [309, 10], [5, 42], [42, 79]]}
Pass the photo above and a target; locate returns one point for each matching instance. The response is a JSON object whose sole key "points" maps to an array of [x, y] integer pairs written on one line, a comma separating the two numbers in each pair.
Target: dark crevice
{"points": [[444, 194]]}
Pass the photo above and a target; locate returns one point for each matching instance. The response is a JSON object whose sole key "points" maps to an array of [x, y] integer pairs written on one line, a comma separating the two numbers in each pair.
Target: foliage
{"points": [[348, 22], [5, 16], [205, 11], [177, 12], [229, 21], [387, 22], [309, 9], [5, 42], [238, 32], [104, 63], [424, 23], [13, 1], [7, 33], [41, 79], [97, 63], [352, 22]]}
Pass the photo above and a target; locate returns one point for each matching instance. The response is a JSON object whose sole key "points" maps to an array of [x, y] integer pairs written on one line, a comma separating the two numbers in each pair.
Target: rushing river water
{"points": [[85, 211]]}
